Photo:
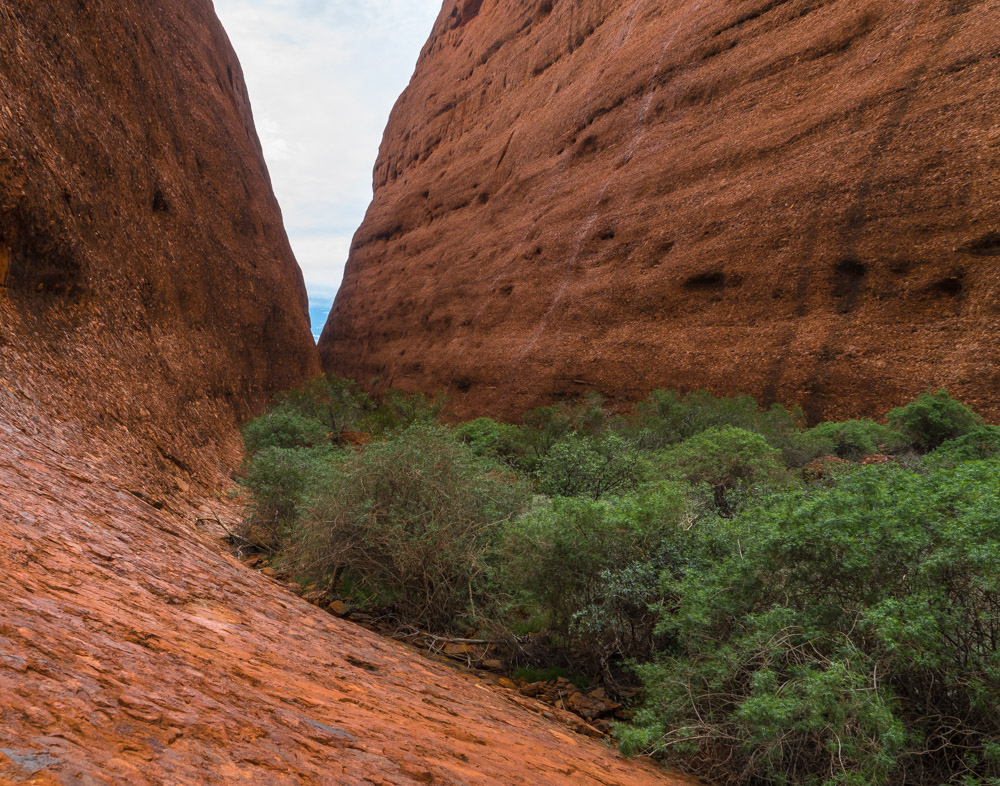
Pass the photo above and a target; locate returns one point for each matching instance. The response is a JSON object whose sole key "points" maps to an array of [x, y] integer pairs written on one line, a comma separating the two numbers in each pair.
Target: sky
{"points": [[323, 76]]}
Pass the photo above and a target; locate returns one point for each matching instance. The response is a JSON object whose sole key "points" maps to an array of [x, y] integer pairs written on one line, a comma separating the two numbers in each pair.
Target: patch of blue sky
{"points": [[323, 76]]}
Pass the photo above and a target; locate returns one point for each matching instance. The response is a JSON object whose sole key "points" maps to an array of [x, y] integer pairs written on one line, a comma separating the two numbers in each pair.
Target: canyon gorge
{"points": [[150, 304]]}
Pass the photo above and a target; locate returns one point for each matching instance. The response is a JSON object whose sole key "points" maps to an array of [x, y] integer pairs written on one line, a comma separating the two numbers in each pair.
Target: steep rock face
{"points": [[149, 302], [148, 289], [795, 199]]}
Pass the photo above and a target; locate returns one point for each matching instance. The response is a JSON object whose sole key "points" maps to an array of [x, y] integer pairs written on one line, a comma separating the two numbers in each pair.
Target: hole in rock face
{"points": [[361, 664], [950, 286], [465, 11], [35, 265], [986, 246], [463, 384], [160, 204], [848, 280], [706, 282]]}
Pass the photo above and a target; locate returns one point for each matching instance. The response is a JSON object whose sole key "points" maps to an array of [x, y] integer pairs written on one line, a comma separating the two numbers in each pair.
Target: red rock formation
{"points": [[790, 198], [147, 280], [133, 649], [150, 300]]}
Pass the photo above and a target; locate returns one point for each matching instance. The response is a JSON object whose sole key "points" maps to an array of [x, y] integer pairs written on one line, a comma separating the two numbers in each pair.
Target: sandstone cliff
{"points": [[149, 302], [148, 293], [795, 199]]}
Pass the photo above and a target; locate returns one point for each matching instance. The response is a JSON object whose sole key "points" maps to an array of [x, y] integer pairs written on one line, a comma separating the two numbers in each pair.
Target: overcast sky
{"points": [[323, 76]]}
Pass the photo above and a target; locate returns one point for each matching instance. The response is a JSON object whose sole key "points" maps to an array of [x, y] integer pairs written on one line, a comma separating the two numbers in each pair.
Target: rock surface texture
{"points": [[144, 266], [795, 199], [149, 302], [133, 649]]}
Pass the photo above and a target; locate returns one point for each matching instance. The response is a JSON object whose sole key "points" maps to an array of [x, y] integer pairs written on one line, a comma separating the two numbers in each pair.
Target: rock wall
{"points": [[148, 293], [149, 302], [795, 199]]}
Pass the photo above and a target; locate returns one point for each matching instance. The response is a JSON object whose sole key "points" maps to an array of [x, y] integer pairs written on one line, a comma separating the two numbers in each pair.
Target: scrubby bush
{"points": [[578, 465], [855, 439], [592, 567], [413, 522], [850, 635], [667, 417], [980, 443], [283, 427], [489, 439], [784, 429], [545, 426], [725, 458], [338, 404], [932, 419], [281, 481]]}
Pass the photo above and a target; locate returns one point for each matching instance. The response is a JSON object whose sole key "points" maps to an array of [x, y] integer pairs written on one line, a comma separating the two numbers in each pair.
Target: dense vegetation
{"points": [[790, 617]]}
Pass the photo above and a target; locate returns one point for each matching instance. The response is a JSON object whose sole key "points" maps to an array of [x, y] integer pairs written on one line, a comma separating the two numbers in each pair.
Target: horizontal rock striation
{"points": [[795, 199]]}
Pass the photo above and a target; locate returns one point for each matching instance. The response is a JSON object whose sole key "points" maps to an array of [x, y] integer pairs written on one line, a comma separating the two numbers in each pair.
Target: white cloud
{"points": [[323, 76]]}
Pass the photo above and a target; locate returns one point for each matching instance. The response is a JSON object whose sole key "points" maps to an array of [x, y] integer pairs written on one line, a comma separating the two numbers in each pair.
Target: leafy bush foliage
{"points": [[413, 522], [489, 439], [851, 635], [980, 443], [281, 481], [837, 632], [593, 466], [725, 458], [932, 419], [855, 439], [593, 566], [284, 428], [338, 404]]}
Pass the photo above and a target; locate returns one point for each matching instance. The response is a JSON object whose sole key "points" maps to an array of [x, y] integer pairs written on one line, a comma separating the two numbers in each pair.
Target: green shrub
{"points": [[398, 411], [725, 458], [545, 426], [591, 568], [283, 427], [932, 419], [339, 404], [666, 417], [413, 522], [592, 466], [281, 481], [851, 634], [784, 429], [980, 443], [855, 439], [489, 439]]}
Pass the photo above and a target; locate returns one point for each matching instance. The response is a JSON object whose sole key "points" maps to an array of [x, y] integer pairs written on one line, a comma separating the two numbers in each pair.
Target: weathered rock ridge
{"points": [[150, 301], [795, 199]]}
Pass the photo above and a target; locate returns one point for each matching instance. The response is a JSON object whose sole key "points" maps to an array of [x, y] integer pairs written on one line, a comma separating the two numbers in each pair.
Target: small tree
{"points": [[932, 419], [590, 466], [725, 458]]}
